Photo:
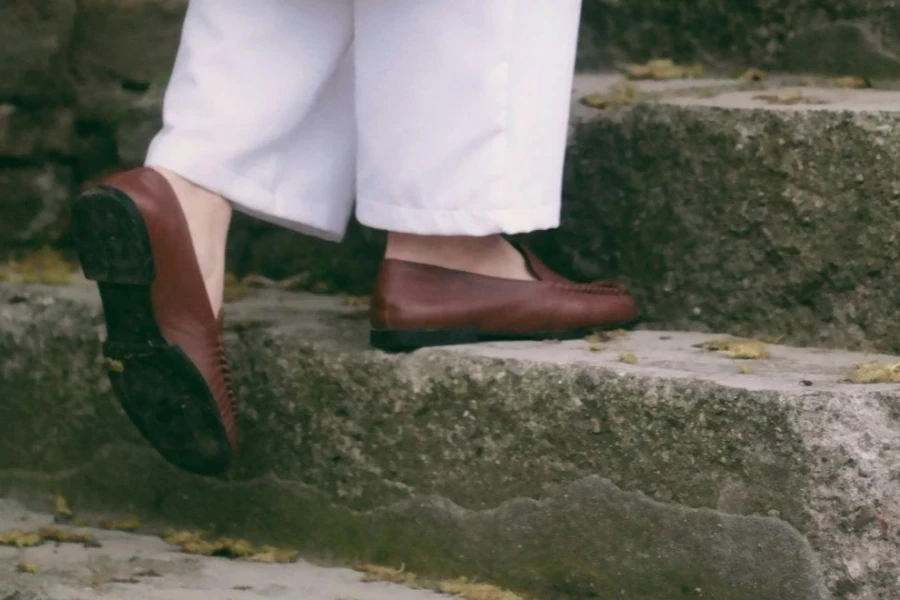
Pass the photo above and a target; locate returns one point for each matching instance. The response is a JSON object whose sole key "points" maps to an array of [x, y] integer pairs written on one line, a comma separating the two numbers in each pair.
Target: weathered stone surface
{"points": [[131, 43], [33, 204], [34, 51], [141, 567], [544, 467], [36, 135], [859, 37], [733, 214], [140, 121]]}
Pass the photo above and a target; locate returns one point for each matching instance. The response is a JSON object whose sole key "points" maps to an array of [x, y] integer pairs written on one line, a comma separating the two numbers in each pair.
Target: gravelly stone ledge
{"points": [[543, 467], [727, 213]]}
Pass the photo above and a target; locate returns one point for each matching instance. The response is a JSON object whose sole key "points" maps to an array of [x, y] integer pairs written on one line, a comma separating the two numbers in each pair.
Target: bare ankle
{"points": [[488, 255], [208, 216]]}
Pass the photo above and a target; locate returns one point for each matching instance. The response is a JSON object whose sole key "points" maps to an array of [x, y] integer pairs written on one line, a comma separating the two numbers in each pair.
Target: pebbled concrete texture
{"points": [[139, 567], [546, 468]]}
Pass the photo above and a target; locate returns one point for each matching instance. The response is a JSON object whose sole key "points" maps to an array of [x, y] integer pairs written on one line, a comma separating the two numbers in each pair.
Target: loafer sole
{"points": [[158, 386], [408, 340]]}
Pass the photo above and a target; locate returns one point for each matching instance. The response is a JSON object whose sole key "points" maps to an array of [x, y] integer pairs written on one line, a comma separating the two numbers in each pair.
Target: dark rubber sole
{"points": [[160, 389], [401, 340]]}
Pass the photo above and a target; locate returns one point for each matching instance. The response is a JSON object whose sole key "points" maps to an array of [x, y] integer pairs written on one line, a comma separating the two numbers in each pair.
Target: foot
{"points": [[163, 349], [208, 217], [492, 256], [441, 291]]}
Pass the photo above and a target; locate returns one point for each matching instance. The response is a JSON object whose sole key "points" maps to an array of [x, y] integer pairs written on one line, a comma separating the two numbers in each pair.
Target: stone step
{"points": [[726, 211], [551, 469], [140, 567], [723, 211], [832, 36]]}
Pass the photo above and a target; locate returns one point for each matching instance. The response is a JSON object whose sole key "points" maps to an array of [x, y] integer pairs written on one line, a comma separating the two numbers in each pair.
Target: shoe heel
{"points": [[114, 250], [111, 238], [407, 340]]}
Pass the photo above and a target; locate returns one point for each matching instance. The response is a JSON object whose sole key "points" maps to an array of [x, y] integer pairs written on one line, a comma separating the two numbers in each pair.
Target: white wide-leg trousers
{"points": [[445, 117]]}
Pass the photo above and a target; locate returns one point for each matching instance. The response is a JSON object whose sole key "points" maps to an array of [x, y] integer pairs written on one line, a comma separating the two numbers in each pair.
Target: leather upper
{"points": [[411, 295], [180, 301]]}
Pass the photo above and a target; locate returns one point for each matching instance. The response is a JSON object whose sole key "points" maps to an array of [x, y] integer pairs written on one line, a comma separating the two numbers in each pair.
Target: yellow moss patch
{"points": [[850, 82], [628, 358], [300, 281], [178, 537], [235, 288], [258, 281], [737, 349], [62, 512], [597, 339], [391, 575], [114, 366], [753, 75], [600, 337], [463, 588], [787, 97], [20, 539], [67, 536], [664, 69], [875, 372], [269, 554], [42, 266], [359, 302], [26, 567], [129, 524], [621, 94], [194, 542]]}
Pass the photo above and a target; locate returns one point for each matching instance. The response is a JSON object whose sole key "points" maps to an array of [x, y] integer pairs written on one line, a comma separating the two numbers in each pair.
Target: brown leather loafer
{"points": [[163, 351], [416, 305]]}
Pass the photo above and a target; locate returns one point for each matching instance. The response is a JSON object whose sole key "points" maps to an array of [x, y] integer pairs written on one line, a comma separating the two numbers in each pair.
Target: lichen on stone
{"points": [[628, 358], [20, 539], [602, 336], [737, 349], [399, 576], [114, 366], [26, 567], [128, 524], [460, 588], [663, 70], [271, 554], [753, 75], [62, 512], [875, 372], [788, 97], [470, 590], [67, 536], [195, 542], [361, 303], [46, 266], [235, 288], [621, 94], [853, 82]]}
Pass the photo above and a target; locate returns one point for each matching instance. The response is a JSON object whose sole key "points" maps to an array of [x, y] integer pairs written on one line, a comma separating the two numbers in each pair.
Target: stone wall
{"points": [[81, 84], [80, 89], [841, 37]]}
